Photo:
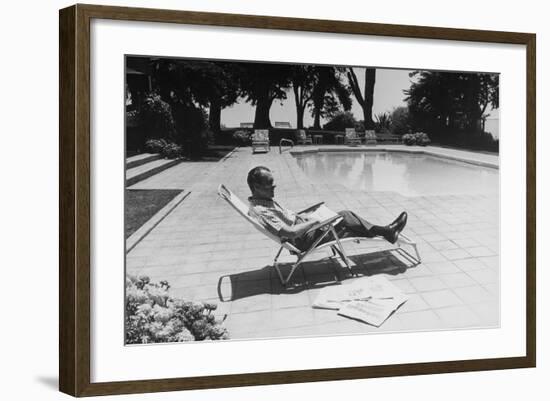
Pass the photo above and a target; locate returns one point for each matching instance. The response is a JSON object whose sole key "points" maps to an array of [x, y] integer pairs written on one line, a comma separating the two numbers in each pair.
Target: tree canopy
{"points": [[261, 84], [440, 101], [329, 93]]}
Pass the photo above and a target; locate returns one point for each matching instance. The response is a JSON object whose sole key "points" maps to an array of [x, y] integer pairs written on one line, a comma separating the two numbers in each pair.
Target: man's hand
{"points": [[298, 229], [313, 219]]}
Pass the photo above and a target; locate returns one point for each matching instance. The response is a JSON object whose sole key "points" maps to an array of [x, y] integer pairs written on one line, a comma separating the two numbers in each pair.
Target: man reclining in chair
{"points": [[286, 224]]}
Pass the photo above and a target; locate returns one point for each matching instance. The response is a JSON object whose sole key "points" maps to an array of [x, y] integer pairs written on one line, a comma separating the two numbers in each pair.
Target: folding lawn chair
{"points": [[302, 138], [335, 245], [370, 137], [260, 140], [351, 137]]}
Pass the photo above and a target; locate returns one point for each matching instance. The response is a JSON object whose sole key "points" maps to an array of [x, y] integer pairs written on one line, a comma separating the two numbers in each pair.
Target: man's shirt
{"points": [[272, 215]]}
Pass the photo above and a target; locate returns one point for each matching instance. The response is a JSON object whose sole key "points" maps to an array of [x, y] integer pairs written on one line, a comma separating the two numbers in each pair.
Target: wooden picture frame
{"points": [[74, 200]]}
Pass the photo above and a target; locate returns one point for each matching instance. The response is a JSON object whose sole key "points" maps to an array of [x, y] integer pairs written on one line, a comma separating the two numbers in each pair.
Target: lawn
{"points": [[142, 204]]}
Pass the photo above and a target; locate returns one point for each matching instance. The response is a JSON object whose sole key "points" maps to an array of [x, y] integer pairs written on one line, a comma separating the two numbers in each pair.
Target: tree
{"points": [[340, 121], [223, 91], [191, 87], [303, 83], [261, 84], [447, 101], [400, 121], [329, 92], [365, 100]]}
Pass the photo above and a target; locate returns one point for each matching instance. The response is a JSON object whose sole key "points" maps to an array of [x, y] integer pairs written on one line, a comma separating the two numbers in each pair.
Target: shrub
{"points": [[172, 151], [156, 117], [341, 121], [418, 138], [400, 121], [422, 138], [383, 122], [242, 137], [468, 140], [153, 316], [167, 149], [155, 145], [409, 139]]}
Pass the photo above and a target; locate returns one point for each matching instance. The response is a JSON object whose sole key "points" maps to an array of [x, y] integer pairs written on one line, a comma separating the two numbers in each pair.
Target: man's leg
{"points": [[352, 224]]}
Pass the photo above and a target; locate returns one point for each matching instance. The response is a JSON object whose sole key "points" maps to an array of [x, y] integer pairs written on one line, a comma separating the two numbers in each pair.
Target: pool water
{"points": [[405, 173]]}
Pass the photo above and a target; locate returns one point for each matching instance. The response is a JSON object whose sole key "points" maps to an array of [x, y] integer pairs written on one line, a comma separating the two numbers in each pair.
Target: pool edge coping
{"points": [[429, 152]]}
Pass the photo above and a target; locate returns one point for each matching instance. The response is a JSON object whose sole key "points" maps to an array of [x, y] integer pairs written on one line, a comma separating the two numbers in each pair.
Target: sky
{"points": [[388, 94]]}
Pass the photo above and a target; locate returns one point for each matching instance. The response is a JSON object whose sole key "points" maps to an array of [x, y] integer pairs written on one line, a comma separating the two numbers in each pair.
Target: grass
{"points": [[142, 204]]}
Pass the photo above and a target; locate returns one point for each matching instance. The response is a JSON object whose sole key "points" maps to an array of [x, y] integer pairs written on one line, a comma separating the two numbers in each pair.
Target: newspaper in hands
{"points": [[322, 214]]}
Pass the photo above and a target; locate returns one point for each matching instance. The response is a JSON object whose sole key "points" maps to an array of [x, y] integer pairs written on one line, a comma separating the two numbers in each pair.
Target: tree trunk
{"points": [[370, 78], [299, 117], [214, 118], [261, 116], [317, 106], [317, 119], [299, 107]]}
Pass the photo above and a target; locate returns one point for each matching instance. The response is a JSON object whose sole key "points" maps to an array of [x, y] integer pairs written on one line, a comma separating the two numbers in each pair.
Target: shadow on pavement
{"points": [[310, 274]]}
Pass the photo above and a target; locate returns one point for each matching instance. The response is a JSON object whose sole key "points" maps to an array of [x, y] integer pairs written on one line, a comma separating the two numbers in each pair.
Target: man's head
{"points": [[260, 182]]}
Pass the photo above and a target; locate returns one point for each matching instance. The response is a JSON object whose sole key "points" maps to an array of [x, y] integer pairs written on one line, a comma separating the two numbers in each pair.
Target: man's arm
{"points": [[298, 229]]}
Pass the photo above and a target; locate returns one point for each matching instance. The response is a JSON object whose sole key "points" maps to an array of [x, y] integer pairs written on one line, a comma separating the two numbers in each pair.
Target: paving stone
{"points": [[469, 264], [443, 245], [485, 276], [455, 254], [421, 320], [480, 251], [415, 303], [488, 313], [441, 298], [445, 267], [427, 283], [473, 294], [459, 317], [455, 280]]}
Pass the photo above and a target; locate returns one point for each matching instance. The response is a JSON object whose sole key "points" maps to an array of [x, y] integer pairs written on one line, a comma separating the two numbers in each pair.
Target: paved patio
{"points": [[207, 251]]}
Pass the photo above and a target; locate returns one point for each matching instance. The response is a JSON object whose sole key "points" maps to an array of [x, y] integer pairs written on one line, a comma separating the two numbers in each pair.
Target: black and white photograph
{"points": [[279, 200]]}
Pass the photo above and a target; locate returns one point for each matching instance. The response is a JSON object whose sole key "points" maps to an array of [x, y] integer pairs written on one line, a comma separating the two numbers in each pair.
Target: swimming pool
{"points": [[408, 174]]}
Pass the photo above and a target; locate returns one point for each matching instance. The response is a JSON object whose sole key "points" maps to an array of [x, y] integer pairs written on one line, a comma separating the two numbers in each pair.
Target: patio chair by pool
{"points": [[335, 245], [352, 139], [370, 137], [302, 138], [260, 140], [388, 137]]}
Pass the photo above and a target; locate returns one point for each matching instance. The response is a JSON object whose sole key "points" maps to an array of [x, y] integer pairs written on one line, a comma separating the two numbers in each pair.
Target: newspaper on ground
{"points": [[373, 311], [369, 299]]}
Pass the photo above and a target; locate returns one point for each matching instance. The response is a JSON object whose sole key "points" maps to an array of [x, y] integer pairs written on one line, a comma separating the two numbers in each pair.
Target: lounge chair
{"points": [[387, 137], [351, 138], [260, 140], [335, 245], [370, 137], [302, 138]]}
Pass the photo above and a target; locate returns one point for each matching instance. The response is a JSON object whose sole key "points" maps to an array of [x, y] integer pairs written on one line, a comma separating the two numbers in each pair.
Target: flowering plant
{"points": [[409, 139], [418, 138], [167, 149], [242, 137], [153, 316], [422, 138]]}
